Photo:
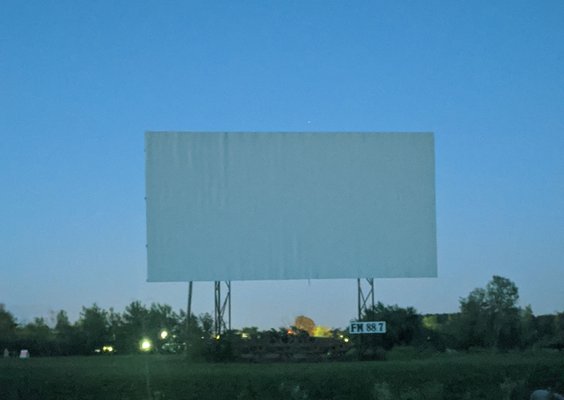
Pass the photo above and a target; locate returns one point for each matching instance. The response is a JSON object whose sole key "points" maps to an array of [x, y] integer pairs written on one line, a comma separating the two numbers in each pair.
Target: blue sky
{"points": [[80, 83]]}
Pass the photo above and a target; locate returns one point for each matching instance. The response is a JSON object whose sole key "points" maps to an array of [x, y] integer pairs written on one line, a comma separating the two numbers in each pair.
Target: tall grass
{"points": [[459, 376]]}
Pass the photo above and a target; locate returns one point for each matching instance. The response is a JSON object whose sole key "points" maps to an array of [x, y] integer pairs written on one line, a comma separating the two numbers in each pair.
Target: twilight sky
{"points": [[80, 83]]}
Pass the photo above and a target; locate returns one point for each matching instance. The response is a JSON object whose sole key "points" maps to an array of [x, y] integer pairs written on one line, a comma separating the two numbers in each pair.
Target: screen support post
{"points": [[222, 322], [189, 306], [365, 296], [188, 317]]}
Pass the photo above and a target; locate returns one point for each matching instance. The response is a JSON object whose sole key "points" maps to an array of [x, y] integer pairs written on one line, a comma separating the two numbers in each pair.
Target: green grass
{"points": [[474, 376]]}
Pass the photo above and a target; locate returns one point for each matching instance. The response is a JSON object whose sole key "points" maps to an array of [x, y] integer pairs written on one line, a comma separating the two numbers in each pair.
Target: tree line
{"points": [[488, 317], [99, 330]]}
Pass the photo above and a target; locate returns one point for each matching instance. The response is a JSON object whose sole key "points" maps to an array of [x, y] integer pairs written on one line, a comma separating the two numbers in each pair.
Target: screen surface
{"points": [[252, 206]]}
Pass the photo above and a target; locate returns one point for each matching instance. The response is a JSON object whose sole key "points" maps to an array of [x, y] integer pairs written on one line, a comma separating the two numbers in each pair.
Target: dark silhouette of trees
{"points": [[529, 333], [8, 327], [37, 337], [557, 342], [132, 327], [489, 317], [93, 328], [66, 335], [205, 321], [403, 325]]}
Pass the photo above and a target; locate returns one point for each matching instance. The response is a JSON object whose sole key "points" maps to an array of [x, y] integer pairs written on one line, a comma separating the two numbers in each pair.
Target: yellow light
{"points": [[145, 345], [164, 334], [346, 340], [321, 331], [244, 335], [108, 349], [217, 337]]}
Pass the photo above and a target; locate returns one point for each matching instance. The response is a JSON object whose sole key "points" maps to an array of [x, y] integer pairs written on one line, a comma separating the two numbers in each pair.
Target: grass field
{"points": [[474, 376]]}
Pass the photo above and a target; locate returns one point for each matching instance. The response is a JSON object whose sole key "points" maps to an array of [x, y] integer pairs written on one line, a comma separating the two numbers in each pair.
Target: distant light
{"points": [[145, 345], [244, 335], [346, 340], [217, 337], [321, 331], [164, 334], [108, 349]]}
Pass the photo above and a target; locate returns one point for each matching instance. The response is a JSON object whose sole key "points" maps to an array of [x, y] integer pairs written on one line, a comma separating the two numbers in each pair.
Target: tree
{"points": [[557, 341], [471, 324], [132, 327], [162, 318], [37, 337], [115, 322], [490, 317], [250, 331], [188, 330], [403, 325], [502, 295], [437, 331], [205, 322], [139, 322], [66, 335], [545, 325], [529, 334], [93, 326], [7, 328]]}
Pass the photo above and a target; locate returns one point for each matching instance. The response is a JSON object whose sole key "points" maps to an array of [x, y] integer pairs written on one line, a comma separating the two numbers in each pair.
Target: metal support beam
{"points": [[222, 322], [189, 307], [188, 319], [365, 295]]}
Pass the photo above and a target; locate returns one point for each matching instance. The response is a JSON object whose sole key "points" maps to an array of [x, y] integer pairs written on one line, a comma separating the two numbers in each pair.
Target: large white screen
{"points": [[247, 206]]}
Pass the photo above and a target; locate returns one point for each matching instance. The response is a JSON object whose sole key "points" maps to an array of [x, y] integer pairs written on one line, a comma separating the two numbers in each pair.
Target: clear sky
{"points": [[81, 81]]}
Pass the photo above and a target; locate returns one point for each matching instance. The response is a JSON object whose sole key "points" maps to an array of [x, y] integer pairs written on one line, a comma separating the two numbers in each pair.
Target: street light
{"points": [[145, 345]]}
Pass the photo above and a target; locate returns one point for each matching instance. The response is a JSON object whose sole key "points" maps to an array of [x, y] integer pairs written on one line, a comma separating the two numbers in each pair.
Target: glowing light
{"points": [[164, 334], [321, 331], [346, 340], [244, 335], [217, 337], [145, 345], [108, 349], [304, 323]]}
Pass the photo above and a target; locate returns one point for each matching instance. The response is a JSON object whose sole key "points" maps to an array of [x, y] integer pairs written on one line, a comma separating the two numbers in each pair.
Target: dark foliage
{"points": [[488, 318]]}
